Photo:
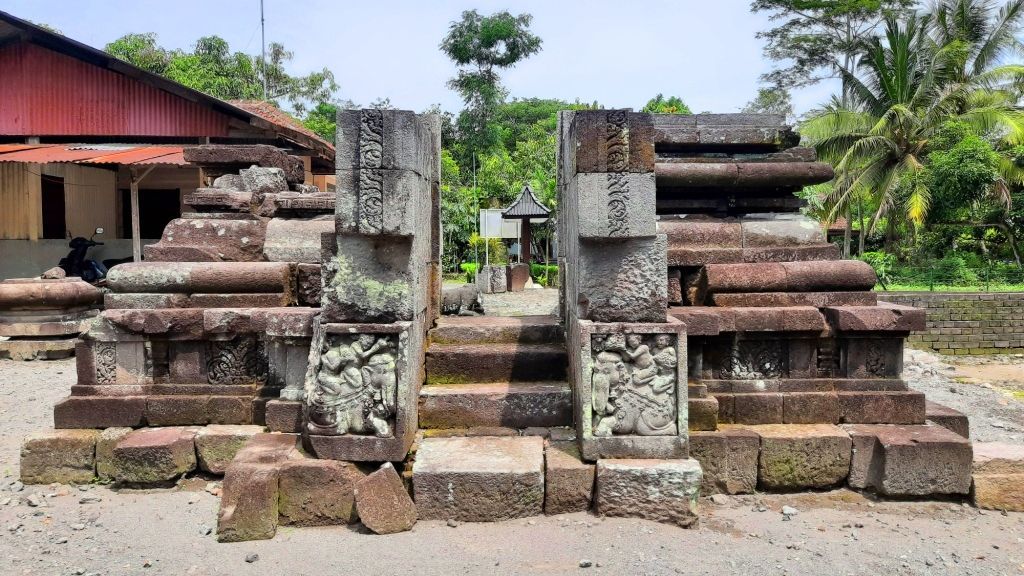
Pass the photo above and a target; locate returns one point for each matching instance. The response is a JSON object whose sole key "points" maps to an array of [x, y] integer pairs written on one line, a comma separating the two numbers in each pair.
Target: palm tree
{"points": [[907, 86]]}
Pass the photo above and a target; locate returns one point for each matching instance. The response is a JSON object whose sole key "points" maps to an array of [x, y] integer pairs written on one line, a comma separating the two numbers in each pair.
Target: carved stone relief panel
{"points": [[356, 388], [755, 360], [634, 384], [105, 359], [237, 361]]}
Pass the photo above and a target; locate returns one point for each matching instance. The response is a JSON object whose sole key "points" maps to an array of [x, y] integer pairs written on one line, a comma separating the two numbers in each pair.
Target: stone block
{"points": [[295, 240], [703, 413], [906, 407], [194, 410], [210, 240], [802, 456], [383, 502], [317, 492], [492, 279], [515, 405], [947, 418], [369, 279], [308, 288], [910, 461], [842, 275], [517, 276], [612, 141], [386, 140], [230, 156], [758, 408], [495, 363], [59, 456], [105, 443], [568, 481], [728, 458], [284, 416], [660, 490], [217, 445], [249, 503], [480, 479], [998, 480], [623, 281], [614, 205], [154, 455], [885, 317], [270, 448], [99, 412], [810, 408]]}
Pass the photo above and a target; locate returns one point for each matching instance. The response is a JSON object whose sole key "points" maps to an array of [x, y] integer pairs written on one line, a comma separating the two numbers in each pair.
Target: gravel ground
{"points": [[535, 302], [169, 532]]}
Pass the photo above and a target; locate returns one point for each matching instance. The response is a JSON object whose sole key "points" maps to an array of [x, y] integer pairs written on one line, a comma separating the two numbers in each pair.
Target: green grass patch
{"points": [[950, 288]]}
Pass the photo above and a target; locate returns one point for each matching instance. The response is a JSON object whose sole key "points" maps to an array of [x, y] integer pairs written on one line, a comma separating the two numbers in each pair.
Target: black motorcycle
{"points": [[76, 263]]}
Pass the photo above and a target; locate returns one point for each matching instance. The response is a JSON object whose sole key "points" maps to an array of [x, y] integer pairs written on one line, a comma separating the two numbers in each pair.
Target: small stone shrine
{"points": [[709, 340], [41, 318]]}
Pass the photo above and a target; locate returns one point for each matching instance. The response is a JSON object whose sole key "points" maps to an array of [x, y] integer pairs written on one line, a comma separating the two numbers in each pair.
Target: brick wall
{"points": [[967, 322]]}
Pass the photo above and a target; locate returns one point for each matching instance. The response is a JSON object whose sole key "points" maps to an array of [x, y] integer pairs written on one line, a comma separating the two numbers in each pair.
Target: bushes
{"points": [[545, 275], [469, 268]]}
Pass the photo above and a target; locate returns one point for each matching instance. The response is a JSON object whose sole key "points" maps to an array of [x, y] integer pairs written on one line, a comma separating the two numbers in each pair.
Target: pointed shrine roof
{"points": [[526, 206]]}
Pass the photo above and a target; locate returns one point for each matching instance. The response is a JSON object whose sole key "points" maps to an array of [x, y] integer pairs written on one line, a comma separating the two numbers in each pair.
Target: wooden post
{"points": [[136, 235], [524, 242]]}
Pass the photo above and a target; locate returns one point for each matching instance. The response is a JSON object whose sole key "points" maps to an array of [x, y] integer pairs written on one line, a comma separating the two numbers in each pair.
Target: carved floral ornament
{"points": [[356, 389], [634, 383]]}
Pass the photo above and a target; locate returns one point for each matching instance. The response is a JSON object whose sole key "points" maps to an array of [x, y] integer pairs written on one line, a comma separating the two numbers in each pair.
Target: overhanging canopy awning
{"points": [[92, 154]]}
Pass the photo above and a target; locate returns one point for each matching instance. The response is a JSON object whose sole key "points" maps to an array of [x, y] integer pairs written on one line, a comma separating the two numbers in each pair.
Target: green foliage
{"points": [[469, 269], [661, 105], [882, 264], [545, 275], [771, 101], [322, 119], [960, 175], [481, 46], [212, 67]]}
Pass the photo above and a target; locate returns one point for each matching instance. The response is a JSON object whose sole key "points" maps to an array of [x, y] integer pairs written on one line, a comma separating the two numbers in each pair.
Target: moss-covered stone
{"points": [[62, 456], [217, 445]]}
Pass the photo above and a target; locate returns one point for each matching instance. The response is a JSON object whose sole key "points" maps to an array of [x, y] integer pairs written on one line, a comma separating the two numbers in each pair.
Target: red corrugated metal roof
{"points": [[93, 154]]}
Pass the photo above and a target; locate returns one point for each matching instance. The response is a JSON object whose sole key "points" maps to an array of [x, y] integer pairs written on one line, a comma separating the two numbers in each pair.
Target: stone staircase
{"points": [[495, 372]]}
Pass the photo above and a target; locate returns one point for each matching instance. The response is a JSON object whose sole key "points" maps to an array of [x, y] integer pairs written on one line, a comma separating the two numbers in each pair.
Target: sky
{"points": [[619, 53]]}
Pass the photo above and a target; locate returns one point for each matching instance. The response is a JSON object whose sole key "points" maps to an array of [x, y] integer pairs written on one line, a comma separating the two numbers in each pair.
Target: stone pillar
{"points": [[627, 359], [380, 293]]}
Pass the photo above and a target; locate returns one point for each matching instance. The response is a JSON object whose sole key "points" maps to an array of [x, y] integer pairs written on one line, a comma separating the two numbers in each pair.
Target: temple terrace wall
{"points": [[967, 322]]}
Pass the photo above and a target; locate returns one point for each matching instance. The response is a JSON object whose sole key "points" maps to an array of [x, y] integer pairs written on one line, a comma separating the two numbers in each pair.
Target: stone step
{"points": [[504, 362], [497, 329], [506, 404], [479, 479], [867, 407]]}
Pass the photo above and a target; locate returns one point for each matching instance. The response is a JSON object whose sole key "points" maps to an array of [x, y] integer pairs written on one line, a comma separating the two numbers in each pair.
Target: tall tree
{"points": [[901, 101], [819, 39], [771, 101], [212, 67], [482, 46]]}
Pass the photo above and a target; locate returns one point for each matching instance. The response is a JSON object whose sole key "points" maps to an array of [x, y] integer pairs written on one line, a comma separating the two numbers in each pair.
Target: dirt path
{"points": [[169, 532]]}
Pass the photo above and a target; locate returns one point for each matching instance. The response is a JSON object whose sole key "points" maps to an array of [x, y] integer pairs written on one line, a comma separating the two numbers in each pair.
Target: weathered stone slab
{"points": [[948, 418], [568, 481], [660, 490], [998, 480], [209, 240], [249, 503], [154, 455], [317, 492], [217, 445], [802, 456], [481, 479], [614, 205], [878, 407], [904, 461], [612, 141], [284, 416], [623, 281], [99, 412], [728, 459], [234, 155], [516, 405], [59, 456], [270, 448], [105, 444], [816, 299], [201, 277], [383, 502], [296, 240], [885, 317]]}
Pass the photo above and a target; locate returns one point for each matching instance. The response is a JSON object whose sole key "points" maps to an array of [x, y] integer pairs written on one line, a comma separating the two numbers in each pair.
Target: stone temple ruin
{"points": [[709, 340]]}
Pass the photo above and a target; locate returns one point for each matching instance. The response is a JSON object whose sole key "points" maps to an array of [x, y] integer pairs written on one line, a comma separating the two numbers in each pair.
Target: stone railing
{"points": [[967, 322]]}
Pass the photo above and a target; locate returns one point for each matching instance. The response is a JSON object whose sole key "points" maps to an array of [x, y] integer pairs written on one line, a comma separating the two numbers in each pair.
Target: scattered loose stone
{"points": [[383, 503], [452, 523], [586, 563], [250, 558], [789, 511], [720, 499]]}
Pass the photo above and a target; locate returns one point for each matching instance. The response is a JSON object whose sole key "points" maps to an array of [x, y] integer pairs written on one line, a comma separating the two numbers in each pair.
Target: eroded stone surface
{"points": [[660, 490], [479, 479], [383, 502], [62, 456], [798, 457], [568, 481], [920, 460], [249, 503], [154, 455], [217, 445], [317, 492]]}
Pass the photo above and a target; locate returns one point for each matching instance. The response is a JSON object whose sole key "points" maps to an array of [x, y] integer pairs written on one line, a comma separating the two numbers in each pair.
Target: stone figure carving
{"points": [[356, 389], [634, 384], [874, 362]]}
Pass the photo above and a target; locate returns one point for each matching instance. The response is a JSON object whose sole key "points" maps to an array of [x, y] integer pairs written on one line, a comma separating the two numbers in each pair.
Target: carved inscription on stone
{"points": [[617, 161], [634, 384], [105, 359], [755, 360], [371, 177], [238, 361], [356, 388]]}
